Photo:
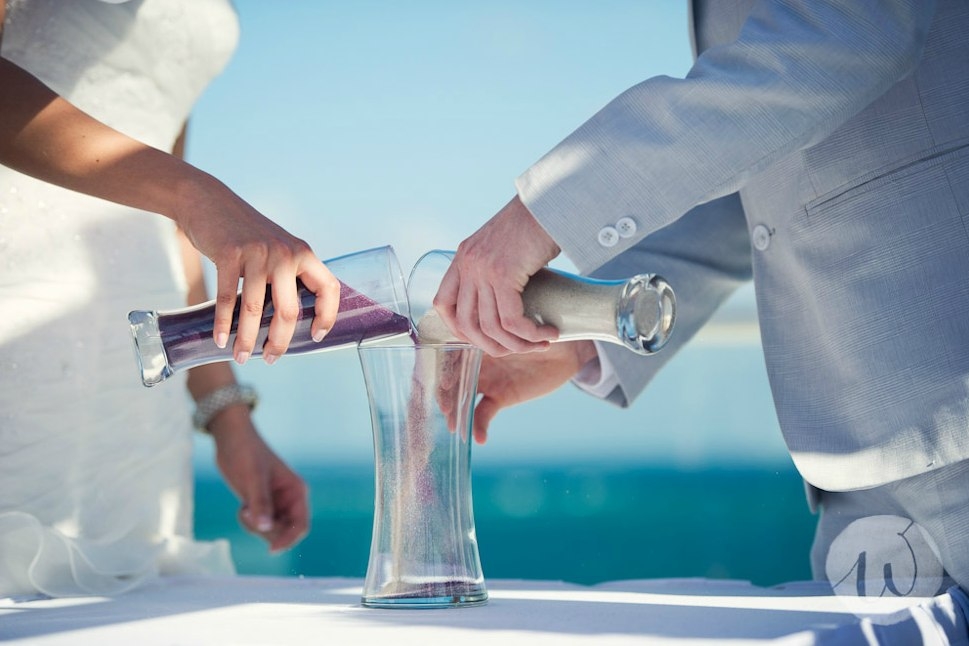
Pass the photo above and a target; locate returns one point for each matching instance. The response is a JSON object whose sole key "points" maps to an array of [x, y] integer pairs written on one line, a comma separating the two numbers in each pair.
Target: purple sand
{"points": [[451, 588], [187, 335]]}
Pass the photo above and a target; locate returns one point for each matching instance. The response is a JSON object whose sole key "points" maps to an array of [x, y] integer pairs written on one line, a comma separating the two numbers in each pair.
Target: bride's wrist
{"points": [[231, 426], [222, 405]]}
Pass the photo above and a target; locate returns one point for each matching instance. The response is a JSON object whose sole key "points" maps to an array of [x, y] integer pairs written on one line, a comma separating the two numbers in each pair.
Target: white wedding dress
{"points": [[95, 469]]}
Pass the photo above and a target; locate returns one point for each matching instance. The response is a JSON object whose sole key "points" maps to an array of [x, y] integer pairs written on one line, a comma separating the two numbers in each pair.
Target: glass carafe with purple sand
{"points": [[373, 304], [424, 551], [637, 312]]}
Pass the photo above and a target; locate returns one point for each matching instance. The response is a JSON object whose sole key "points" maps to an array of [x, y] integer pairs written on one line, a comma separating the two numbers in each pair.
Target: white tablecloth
{"points": [[282, 611]]}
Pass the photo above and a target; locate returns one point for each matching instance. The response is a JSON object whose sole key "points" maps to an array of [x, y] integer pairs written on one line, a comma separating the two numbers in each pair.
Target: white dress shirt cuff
{"points": [[597, 377]]}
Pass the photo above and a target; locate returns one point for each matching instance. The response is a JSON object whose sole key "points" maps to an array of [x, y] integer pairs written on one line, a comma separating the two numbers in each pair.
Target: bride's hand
{"points": [[244, 244], [274, 499]]}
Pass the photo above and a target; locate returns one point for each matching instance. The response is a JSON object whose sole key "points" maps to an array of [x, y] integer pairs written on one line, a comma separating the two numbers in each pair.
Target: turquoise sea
{"points": [[581, 524]]}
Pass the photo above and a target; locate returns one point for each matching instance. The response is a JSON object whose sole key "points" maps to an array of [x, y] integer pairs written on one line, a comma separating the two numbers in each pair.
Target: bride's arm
{"points": [[274, 502], [43, 135], [273, 498]]}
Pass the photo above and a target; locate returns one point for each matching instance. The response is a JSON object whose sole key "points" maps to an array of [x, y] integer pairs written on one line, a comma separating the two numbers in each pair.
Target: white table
{"points": [[282, 611]]}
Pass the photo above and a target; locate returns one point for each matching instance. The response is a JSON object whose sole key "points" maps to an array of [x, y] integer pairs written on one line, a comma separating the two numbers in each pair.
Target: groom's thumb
{"points": [[484, 412]]}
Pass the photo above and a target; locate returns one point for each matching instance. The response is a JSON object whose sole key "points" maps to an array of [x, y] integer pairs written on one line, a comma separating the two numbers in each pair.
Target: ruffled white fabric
{"points": [[95, 470]]}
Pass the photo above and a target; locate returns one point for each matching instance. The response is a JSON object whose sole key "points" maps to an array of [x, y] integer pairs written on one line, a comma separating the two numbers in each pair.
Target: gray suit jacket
{"points": [[823, 147]]}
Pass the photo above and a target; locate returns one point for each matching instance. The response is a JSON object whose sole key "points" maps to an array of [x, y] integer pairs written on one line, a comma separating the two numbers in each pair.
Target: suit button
{"points": [[626, 227], [761, 237], [608, 236]]}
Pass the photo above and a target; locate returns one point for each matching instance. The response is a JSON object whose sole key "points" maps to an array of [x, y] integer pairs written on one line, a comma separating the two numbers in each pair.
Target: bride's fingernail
{"points": [[270, 358], [222, 339], [319, 334], [264, 523], [242, 357]]}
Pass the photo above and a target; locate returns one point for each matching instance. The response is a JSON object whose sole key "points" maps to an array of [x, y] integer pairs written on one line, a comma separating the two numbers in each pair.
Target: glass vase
{"points": [[424, 553]]}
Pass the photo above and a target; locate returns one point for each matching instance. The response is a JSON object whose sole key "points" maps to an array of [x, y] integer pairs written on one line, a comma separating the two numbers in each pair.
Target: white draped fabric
{"points": [[95, 469]]}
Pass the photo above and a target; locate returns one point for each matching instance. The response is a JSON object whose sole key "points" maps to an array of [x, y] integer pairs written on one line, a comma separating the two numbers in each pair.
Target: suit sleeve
{"points": [[798, 70], [705, 256]]}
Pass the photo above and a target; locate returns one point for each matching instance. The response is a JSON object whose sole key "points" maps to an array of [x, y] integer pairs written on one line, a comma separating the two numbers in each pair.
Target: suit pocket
{"points": [[910, 214], [893, 254], [942, 164]]}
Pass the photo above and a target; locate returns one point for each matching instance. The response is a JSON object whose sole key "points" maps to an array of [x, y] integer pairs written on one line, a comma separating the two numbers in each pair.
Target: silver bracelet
{"points": [[220, 399]]}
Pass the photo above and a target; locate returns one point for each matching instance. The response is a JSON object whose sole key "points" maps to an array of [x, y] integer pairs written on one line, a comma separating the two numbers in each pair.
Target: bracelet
{"points": [[220, 399]]}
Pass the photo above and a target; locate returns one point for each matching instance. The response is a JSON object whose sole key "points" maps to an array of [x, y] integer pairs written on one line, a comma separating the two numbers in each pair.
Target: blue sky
{"points": [[359, 124], [363, 123]]}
